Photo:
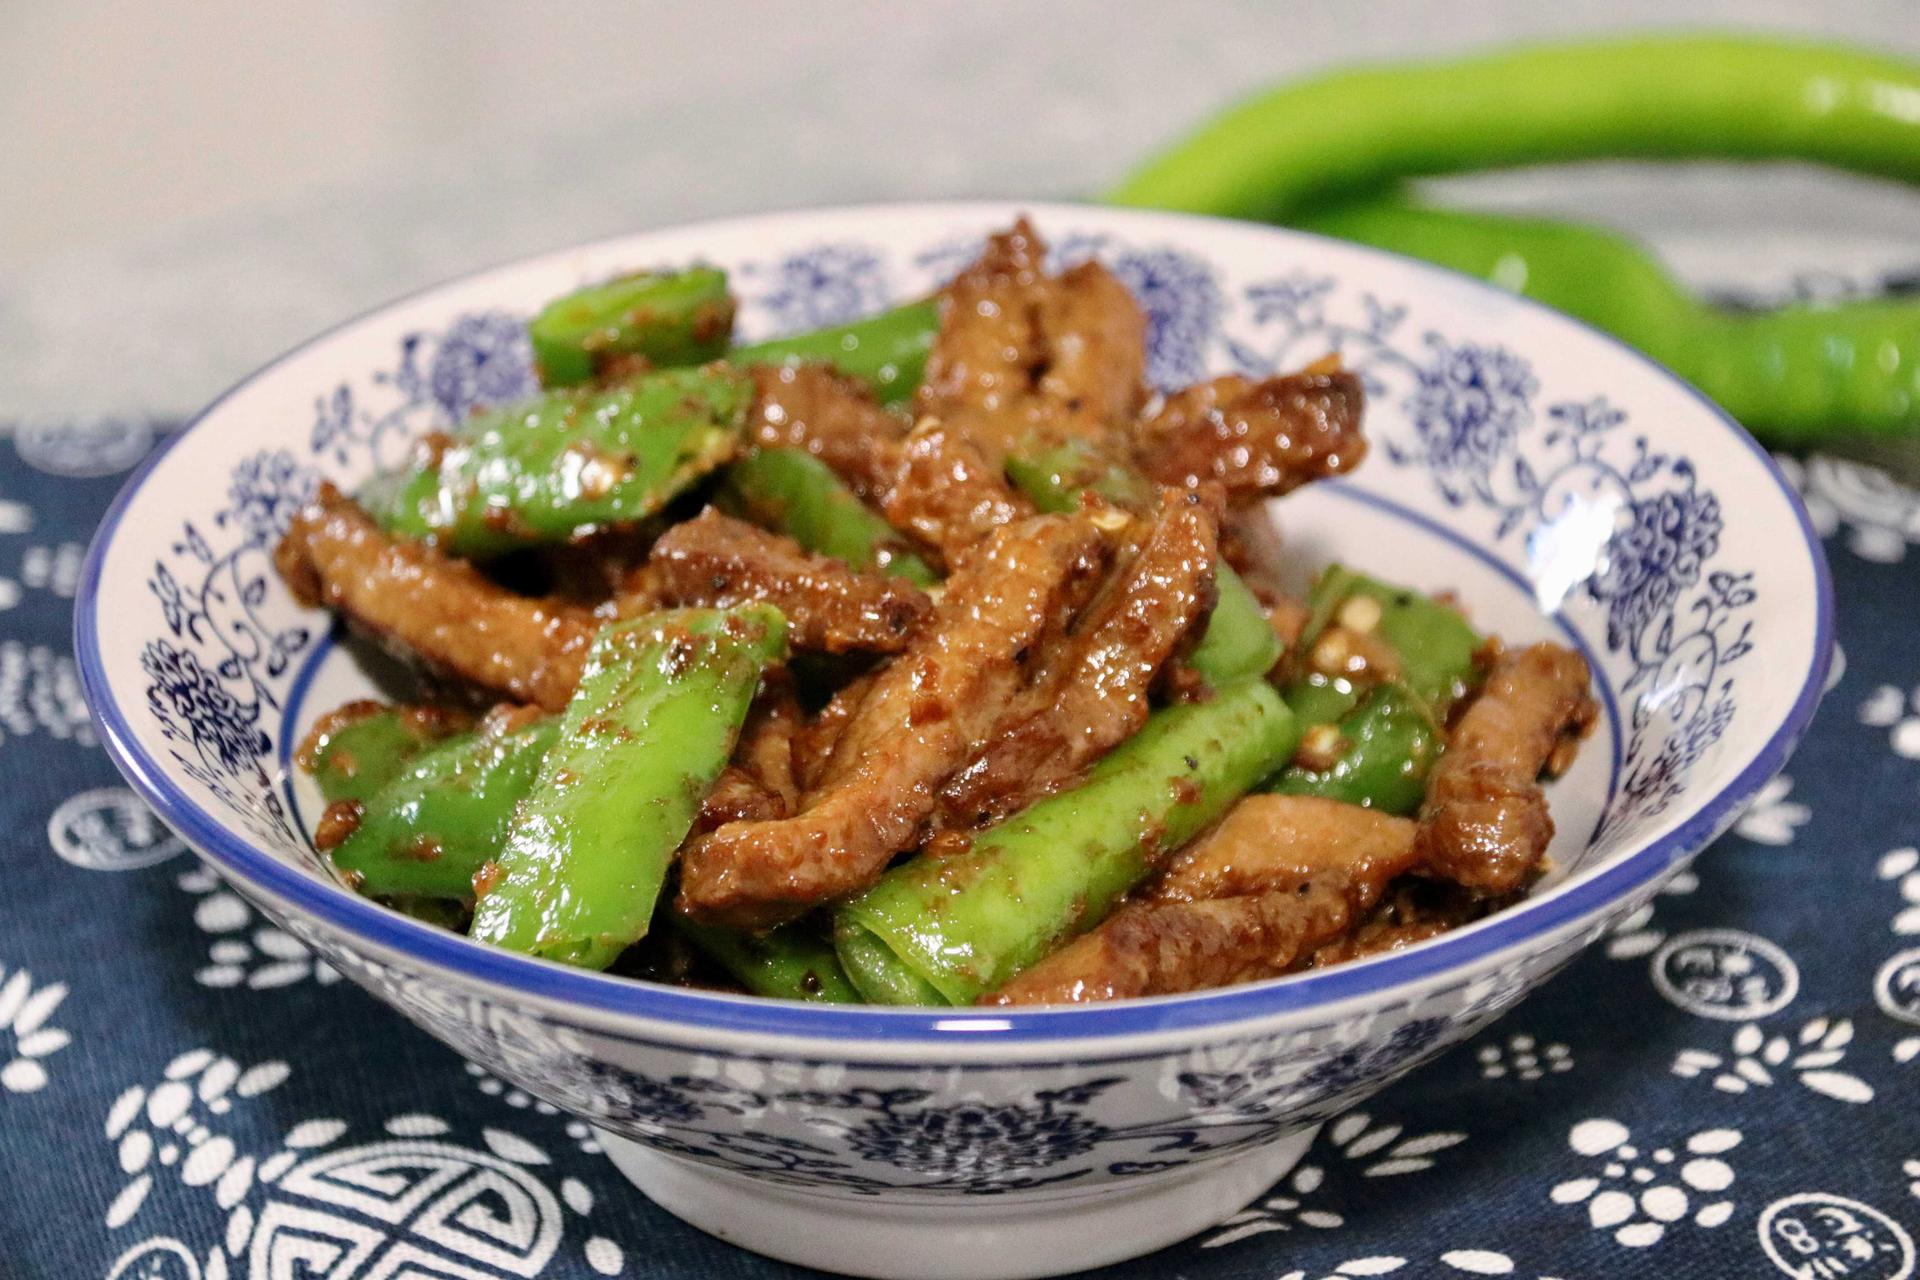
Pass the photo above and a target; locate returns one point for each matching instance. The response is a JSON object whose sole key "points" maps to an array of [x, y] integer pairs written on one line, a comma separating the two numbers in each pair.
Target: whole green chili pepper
{"points": [[887, 351], [1688, 97], [964, 923], [651, 725], [1238, 641], [566, 463], [440, 819], [353, 751], [1434, 643], [792, 962], [1388, 744], [668, 317], [1790, 373], [793, 492], [1321, 153]]}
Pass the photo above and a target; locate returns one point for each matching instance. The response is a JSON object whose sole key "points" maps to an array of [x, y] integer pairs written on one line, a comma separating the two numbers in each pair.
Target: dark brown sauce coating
{"points": [[429, 608], [913, 728], [815, 410], [1484, 824], [1091, 690], [1277, 879], [715, 560], [1023, 354], [340, 820], [1257, 440]]}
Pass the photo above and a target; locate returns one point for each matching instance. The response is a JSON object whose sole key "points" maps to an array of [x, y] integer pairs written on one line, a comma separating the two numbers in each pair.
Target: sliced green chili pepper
{"points": [[1238, 641], [568, 462], [1388, 745], [1434, 643], [1791, 373], [879, 973], [669, 317], [1053, 476], [441, 818], [355, 750], [649, 728], [887, 351], [964, 923], [1321, 699], [792, 962], [793, 492]]}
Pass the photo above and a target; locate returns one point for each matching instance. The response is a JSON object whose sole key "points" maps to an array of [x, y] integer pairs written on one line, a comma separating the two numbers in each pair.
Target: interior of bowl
{"points": [[1562, 485]]}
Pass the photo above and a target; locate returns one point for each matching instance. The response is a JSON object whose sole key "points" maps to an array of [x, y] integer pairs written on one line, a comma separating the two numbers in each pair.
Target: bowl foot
{"points": [[971, 1238]]}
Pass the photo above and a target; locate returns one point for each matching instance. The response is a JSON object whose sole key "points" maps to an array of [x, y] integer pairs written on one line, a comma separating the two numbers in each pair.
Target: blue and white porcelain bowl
{"points": [[1563, 485]]}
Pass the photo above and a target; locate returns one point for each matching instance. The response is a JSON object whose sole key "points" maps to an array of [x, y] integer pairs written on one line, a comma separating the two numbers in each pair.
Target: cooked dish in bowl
{"points": [[925, 660]]}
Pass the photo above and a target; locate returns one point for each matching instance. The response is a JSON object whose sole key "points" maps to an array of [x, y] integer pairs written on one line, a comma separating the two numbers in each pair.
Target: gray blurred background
{"points": [[186, 189]]}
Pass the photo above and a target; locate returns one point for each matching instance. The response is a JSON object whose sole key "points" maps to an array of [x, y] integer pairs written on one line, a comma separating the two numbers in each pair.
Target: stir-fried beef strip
{"points": [[916, 725], [1096, 343], [814, 740], [1484, 824], [1258, 440], [765, 749], [1273, 841], [1280, 877], [1091, 691], [814, 409], [758, 783], [1414, 910], [943, 490], [428, 608], [988, 346], [1164, 948], [1022, 354], [718, 561]]}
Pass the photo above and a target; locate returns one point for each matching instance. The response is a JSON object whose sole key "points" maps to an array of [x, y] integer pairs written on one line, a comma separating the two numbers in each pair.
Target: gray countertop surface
{"points": [[191, 191]]}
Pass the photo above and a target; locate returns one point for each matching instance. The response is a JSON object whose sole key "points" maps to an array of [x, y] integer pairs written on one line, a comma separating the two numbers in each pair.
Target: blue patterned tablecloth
{"points": [[1725, 1087]]}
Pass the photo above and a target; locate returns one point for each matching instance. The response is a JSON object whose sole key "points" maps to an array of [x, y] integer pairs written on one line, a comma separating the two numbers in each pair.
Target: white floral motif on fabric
{"points": [[55, 569], [1902, 866], [26, 1039], [1772, 818], [1358, 1144], [247, 951], [1454, 1262], [40, 693], [412, 1202], [1639, 1194], [1757, 1060], [1522, 1057], [1887, 707], [1637, 934]]}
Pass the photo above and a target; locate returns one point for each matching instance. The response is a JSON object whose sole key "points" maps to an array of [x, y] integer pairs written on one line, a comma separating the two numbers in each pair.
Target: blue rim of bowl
{"points": [[1533, 918]]}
